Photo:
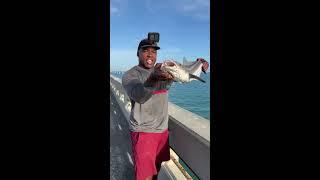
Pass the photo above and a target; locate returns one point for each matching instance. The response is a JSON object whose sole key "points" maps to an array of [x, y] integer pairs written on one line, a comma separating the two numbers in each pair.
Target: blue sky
{"points": [[184, 27]]}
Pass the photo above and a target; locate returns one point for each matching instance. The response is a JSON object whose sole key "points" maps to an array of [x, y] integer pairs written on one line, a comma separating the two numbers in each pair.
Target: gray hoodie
{"points": [[149, 111]]}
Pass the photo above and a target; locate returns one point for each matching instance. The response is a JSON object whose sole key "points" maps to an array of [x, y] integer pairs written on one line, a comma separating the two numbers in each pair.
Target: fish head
{"points": [[176, 70]]}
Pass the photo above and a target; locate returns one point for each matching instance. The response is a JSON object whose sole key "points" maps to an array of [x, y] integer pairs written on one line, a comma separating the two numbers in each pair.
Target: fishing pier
{"points": [[189, 140]]}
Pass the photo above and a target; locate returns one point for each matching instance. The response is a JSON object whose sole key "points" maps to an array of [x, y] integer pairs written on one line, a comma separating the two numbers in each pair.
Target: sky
{"points": [[184, 27]]}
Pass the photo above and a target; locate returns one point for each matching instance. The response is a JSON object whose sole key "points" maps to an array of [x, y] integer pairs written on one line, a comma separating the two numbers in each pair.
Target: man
{"points": [[147, 86]]}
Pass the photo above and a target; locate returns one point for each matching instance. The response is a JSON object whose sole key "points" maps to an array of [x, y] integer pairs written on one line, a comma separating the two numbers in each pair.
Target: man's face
{"points": [[147, 57]]}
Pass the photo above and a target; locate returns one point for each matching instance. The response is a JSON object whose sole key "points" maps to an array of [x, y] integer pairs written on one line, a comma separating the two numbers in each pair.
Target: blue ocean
{"points": [[193, 96]]}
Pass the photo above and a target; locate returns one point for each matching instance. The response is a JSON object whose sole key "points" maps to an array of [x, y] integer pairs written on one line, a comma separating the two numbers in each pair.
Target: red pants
{"points": [[149, 150]]}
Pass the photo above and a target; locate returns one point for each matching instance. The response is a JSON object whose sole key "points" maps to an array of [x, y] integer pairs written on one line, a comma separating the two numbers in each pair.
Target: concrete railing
{"points": [[189, 133]]}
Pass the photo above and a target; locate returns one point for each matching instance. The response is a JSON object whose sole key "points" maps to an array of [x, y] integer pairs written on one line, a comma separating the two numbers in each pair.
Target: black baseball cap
{"points": [[147, 43]]}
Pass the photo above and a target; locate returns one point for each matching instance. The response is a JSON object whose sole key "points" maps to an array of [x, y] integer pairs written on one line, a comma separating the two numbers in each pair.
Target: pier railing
{"points": [[189, 133]]}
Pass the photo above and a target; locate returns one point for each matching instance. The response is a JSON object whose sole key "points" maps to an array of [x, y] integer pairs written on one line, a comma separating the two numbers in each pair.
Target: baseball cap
{"points": [[147, 43]]}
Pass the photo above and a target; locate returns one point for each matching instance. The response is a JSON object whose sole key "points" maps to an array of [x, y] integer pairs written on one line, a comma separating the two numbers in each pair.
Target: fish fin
{"points": [[184, 59], [196, 77], [186, 62], [196, 65]]}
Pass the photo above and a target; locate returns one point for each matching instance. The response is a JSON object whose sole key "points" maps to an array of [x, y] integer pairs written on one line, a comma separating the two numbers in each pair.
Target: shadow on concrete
{"points": [[121, 164]]}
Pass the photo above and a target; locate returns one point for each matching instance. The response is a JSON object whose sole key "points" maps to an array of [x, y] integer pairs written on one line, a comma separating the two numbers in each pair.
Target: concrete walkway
{"points": [[121, 164]]}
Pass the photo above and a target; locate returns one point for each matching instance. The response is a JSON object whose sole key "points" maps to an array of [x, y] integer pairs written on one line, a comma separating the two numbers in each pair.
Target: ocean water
{"points": [[193, 96]]}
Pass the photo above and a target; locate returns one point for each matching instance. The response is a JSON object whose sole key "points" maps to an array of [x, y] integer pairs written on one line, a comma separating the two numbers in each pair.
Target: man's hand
{"points": [[205, 65], [158, 74]]}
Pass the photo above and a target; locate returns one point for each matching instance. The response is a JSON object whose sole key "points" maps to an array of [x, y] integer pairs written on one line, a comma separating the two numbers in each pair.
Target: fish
{"points": [[183, 73]]}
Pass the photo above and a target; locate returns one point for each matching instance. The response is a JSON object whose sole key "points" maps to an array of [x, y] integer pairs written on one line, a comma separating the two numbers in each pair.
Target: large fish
{"points": [[185, 72]]}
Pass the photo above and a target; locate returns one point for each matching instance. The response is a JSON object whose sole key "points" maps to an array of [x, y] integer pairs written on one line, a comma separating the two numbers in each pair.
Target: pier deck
{"points": [[121, 165]]}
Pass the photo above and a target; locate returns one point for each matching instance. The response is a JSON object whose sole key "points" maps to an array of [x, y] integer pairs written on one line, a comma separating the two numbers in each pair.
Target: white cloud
{"points": [[198, 9], [117, 6], [169, 53], [122, 59], [204, 2], [113, 10], [122, 53], [188, 7]]}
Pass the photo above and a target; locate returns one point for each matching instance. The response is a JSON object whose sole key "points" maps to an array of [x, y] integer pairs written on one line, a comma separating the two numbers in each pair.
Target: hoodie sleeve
{"points": [[135, 88]]}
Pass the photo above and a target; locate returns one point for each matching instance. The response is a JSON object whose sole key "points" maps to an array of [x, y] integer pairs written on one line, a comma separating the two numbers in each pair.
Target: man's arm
{"points": [[136, 89], [141, 91]]}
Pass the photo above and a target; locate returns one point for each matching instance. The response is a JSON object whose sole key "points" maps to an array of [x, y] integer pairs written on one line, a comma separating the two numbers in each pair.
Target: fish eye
{"points": [[170, 64]]}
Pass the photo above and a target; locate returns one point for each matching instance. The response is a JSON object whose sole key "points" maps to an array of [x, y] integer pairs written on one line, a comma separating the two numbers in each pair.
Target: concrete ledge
{"points": [[195, 123]]}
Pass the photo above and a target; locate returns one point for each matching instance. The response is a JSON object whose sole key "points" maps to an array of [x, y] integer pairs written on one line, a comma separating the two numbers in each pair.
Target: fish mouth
{"points": [[168, 63]]}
